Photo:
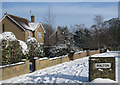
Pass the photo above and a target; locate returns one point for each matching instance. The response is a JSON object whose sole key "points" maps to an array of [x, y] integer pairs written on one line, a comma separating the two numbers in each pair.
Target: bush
{"points": [[35, 48], [12, 50], [60, 50]]}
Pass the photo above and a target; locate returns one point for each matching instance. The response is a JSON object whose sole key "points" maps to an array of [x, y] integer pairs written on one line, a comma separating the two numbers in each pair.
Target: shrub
{"points": [[12, 50], [35, 48]]}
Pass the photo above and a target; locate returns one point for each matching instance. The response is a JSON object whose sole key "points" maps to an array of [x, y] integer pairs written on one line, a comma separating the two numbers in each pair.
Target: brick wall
{"points": [[50, 62], [14, 70]]}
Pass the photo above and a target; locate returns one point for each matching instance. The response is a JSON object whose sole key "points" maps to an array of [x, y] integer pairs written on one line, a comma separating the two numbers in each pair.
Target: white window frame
{"points": [[29, 34], [39, 34]]}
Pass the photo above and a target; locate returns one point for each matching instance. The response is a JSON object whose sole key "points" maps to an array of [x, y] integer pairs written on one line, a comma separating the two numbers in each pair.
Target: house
{"points": [[54, 39], [57, 37], [22, 27]]}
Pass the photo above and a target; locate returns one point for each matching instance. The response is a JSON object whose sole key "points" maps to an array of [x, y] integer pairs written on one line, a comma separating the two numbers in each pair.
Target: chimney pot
{"points": [[59, 28], [32, 18]]}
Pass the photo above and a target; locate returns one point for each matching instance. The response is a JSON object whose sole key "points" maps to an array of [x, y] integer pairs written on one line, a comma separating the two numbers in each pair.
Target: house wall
{"points": [[41, 40], [55, 38], [10, 26], [26, 34], [52, 39]]}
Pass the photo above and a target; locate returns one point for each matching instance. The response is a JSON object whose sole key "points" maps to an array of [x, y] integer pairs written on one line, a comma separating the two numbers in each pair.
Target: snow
{"points": [[43, 58], [32, 39], [101, 80], [11, 64], [69, 72], [54, 58], [24, 46], [79, 52], [1, 37], [32, 26], [9, 36], [103, 55]]}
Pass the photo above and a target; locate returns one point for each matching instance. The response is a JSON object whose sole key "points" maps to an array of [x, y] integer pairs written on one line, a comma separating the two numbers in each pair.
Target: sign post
{"points": [[102, 67]]}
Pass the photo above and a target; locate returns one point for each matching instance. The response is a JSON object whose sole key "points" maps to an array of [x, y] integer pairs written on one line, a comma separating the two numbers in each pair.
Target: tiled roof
{"points": [[20, 20]]}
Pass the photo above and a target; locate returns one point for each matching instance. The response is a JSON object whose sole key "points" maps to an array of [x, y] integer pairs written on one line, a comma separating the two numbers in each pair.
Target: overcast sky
{"points": [[66, 13]]}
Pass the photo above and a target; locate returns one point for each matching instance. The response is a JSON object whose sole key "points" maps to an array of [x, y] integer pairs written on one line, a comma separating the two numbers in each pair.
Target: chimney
{"points": [[32, 18], [59, 28]]}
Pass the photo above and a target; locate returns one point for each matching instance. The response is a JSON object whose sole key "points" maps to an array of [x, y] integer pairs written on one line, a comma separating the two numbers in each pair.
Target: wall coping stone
{"points": [[12, 64]]}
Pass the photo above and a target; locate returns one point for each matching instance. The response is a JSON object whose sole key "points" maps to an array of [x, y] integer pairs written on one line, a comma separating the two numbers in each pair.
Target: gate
{"points": [[32, 64]]}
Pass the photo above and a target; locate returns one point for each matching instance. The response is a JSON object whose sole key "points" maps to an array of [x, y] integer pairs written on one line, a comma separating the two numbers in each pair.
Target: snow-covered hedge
{"points": [[35, 48], [13, 50], [60, 50]]}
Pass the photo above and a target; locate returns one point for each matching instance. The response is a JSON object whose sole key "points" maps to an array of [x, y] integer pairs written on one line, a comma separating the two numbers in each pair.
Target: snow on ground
{"points": [[69, 72], [101, 80]]}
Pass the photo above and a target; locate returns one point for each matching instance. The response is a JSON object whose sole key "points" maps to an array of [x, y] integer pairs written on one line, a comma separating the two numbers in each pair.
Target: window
{"points": [[3, 28], [29, 34], [39, 34]]}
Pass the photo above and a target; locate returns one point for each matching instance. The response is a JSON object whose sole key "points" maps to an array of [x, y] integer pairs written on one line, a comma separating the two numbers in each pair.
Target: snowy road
{"points": [[70, 72]]}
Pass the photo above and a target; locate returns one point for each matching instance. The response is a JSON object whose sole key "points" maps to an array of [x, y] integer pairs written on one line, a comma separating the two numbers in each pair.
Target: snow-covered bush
{"points": [[35, 48], [58, 50], [12, 49]]}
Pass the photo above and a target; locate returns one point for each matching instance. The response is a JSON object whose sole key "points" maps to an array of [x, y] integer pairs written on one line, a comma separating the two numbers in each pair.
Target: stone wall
{"points": [[79, 55], [14, 70], [45, 62], [84, 54], [94, 52]]}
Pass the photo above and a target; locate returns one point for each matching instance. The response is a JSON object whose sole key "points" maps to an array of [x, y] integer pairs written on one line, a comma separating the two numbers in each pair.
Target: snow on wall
{"points": [[103, 55]]}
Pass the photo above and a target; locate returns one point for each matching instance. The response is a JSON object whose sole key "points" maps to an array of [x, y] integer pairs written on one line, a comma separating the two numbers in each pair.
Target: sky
{"points": [[66, 13]]}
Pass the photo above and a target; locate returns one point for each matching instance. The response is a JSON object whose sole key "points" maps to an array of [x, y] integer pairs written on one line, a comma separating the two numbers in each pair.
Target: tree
{"points": [[49, 20], [82, 37], [35, 48], [96, 28], [113, 29]]}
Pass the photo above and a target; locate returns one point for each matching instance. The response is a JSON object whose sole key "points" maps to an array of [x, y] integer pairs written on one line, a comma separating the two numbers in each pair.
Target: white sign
{"points": [[103, 65]]}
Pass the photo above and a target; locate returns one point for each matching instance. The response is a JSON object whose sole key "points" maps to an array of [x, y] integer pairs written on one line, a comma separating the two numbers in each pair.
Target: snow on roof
{"points": [[24, 46], [32, 26], [43, 28], [101, 80], [9, 36]]}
